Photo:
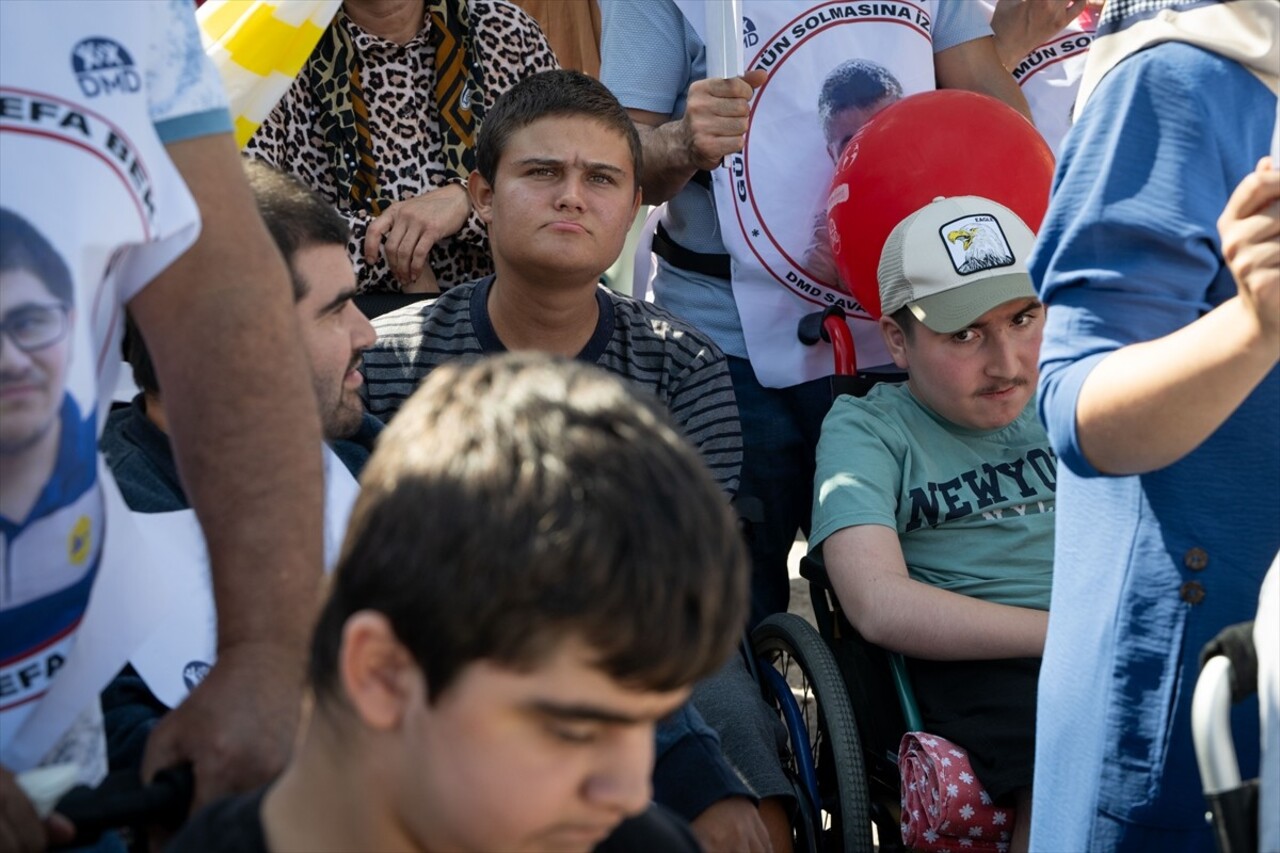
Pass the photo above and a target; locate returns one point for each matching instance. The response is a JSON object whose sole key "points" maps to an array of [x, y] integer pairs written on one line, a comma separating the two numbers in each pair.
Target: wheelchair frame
{"points": [[844, 742]]}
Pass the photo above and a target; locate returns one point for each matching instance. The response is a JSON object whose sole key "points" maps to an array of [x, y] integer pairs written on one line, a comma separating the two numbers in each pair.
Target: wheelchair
{"points": [[844, 701], [845, 713]]}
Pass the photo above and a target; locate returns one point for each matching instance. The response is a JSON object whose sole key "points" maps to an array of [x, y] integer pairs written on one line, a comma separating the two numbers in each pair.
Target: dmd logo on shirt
{"points": [[194, 673], [103, 66]]}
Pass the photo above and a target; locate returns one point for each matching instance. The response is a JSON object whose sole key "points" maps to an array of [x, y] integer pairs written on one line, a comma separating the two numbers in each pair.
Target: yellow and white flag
{"points": [[259, 46]]}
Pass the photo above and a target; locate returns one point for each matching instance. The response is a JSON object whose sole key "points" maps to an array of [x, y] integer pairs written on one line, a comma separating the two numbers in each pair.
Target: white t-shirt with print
{"points": [[90, 93]]}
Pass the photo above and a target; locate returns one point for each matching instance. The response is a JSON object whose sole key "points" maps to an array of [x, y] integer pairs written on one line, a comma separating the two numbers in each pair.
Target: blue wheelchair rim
{"points": [[796, 730]]}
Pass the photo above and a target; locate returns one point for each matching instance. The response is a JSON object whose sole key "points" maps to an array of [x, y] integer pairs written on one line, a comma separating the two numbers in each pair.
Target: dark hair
{"points": [[135, 352], [906, 321], [855, 83], [22, 247], [296, 216], [526, 499], [551, 93]]}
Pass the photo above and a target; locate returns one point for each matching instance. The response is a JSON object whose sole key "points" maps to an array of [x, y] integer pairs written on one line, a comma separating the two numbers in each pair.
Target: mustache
{"points": [[357, 360], [1017, 382]]}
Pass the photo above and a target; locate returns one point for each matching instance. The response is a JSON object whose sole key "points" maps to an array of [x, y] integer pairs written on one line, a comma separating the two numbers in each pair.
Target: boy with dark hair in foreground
{"points": [[537, 570]]}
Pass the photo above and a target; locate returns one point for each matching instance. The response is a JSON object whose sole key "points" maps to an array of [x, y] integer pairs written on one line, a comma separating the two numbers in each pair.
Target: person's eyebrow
{"points": [[337, 302], [605, 167], [581, 712], [1031, 304], [551, 161]]}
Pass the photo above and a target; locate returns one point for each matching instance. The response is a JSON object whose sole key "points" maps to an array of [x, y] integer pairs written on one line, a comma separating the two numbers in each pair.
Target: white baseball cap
{"points": [[953, 260]]}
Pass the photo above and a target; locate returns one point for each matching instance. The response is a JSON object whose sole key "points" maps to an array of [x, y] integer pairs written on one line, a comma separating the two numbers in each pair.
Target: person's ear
{"points": [[481, 192], [639, 199], [895, 340], [379, 676]]}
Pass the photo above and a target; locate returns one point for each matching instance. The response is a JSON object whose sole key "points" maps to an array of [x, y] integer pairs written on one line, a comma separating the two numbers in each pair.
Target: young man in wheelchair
{"points": [[538, 568], [933, 507]]}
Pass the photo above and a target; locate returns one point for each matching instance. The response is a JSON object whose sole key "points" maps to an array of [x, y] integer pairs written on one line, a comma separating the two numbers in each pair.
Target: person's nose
{"points": [[571, 195], [1002, 357], [363, 335], [622, 782], [12, 357]]}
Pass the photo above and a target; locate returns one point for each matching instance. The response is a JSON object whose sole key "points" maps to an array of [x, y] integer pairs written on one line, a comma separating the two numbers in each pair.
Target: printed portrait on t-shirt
{"points": [[851, 95], [37, 313], [50, 514]]}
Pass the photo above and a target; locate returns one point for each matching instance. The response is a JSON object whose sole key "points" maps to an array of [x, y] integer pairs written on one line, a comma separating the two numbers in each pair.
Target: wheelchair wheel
{"points": [[804, 684]]}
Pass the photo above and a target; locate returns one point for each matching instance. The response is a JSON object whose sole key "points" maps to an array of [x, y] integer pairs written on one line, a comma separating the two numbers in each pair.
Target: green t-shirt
{"points": [[973, 508]]}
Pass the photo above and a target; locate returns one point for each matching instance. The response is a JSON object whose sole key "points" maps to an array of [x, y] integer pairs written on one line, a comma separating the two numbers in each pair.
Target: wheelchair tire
{"points": [[829, 732]]}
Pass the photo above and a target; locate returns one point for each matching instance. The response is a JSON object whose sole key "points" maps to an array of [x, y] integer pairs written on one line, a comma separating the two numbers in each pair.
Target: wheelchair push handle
{"points": [[123, 801], [829, 326], [1228, 675]]}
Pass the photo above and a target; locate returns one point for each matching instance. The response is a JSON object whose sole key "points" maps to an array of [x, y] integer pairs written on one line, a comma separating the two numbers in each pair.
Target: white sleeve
{"points": [[184, 91]]}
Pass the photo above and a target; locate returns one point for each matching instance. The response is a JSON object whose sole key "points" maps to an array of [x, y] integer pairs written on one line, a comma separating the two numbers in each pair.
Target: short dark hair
{"points": [[22, 247], [135, 352], [906, 321], [551, 93], [857, 83], [523, 500], [296, 217]]}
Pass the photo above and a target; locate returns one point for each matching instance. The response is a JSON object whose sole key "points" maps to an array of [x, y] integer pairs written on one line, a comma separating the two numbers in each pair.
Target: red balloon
{"points": [[943, 143]]}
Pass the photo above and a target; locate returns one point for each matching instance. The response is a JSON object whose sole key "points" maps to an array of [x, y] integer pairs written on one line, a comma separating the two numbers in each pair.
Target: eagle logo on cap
{"points": [[964, 236], [976, 243]]}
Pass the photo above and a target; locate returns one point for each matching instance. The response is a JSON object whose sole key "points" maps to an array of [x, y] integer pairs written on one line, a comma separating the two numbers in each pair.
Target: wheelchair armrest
{"points": [[814, 572]]}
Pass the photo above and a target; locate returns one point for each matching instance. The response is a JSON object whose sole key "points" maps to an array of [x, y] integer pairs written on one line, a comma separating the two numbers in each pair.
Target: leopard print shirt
{"points": [[407, 143]]}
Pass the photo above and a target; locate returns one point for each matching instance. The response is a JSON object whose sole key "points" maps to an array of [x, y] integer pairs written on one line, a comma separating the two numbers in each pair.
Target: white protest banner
{"points": [[130, 597], [771, 198], [1050, 76], [183, 645]]}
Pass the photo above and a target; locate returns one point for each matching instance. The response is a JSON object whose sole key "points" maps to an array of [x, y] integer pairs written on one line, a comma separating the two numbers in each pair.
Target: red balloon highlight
{"points": [[944, 143]]}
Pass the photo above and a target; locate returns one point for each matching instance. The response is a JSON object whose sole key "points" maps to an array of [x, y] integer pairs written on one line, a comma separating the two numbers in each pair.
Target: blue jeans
{"points": [[780, 429]]}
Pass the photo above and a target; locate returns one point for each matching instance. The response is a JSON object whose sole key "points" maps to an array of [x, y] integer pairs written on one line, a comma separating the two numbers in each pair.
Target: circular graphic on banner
{"points": [[814, 100]]}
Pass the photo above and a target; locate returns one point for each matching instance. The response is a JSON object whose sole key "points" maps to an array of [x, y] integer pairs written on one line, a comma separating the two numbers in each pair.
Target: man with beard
{"points": [[312, 238]]}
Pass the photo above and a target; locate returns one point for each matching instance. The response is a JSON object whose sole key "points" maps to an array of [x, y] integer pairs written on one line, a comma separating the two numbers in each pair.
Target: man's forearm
{"points": [[713, 126], [668, 165], [246, 435]]}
